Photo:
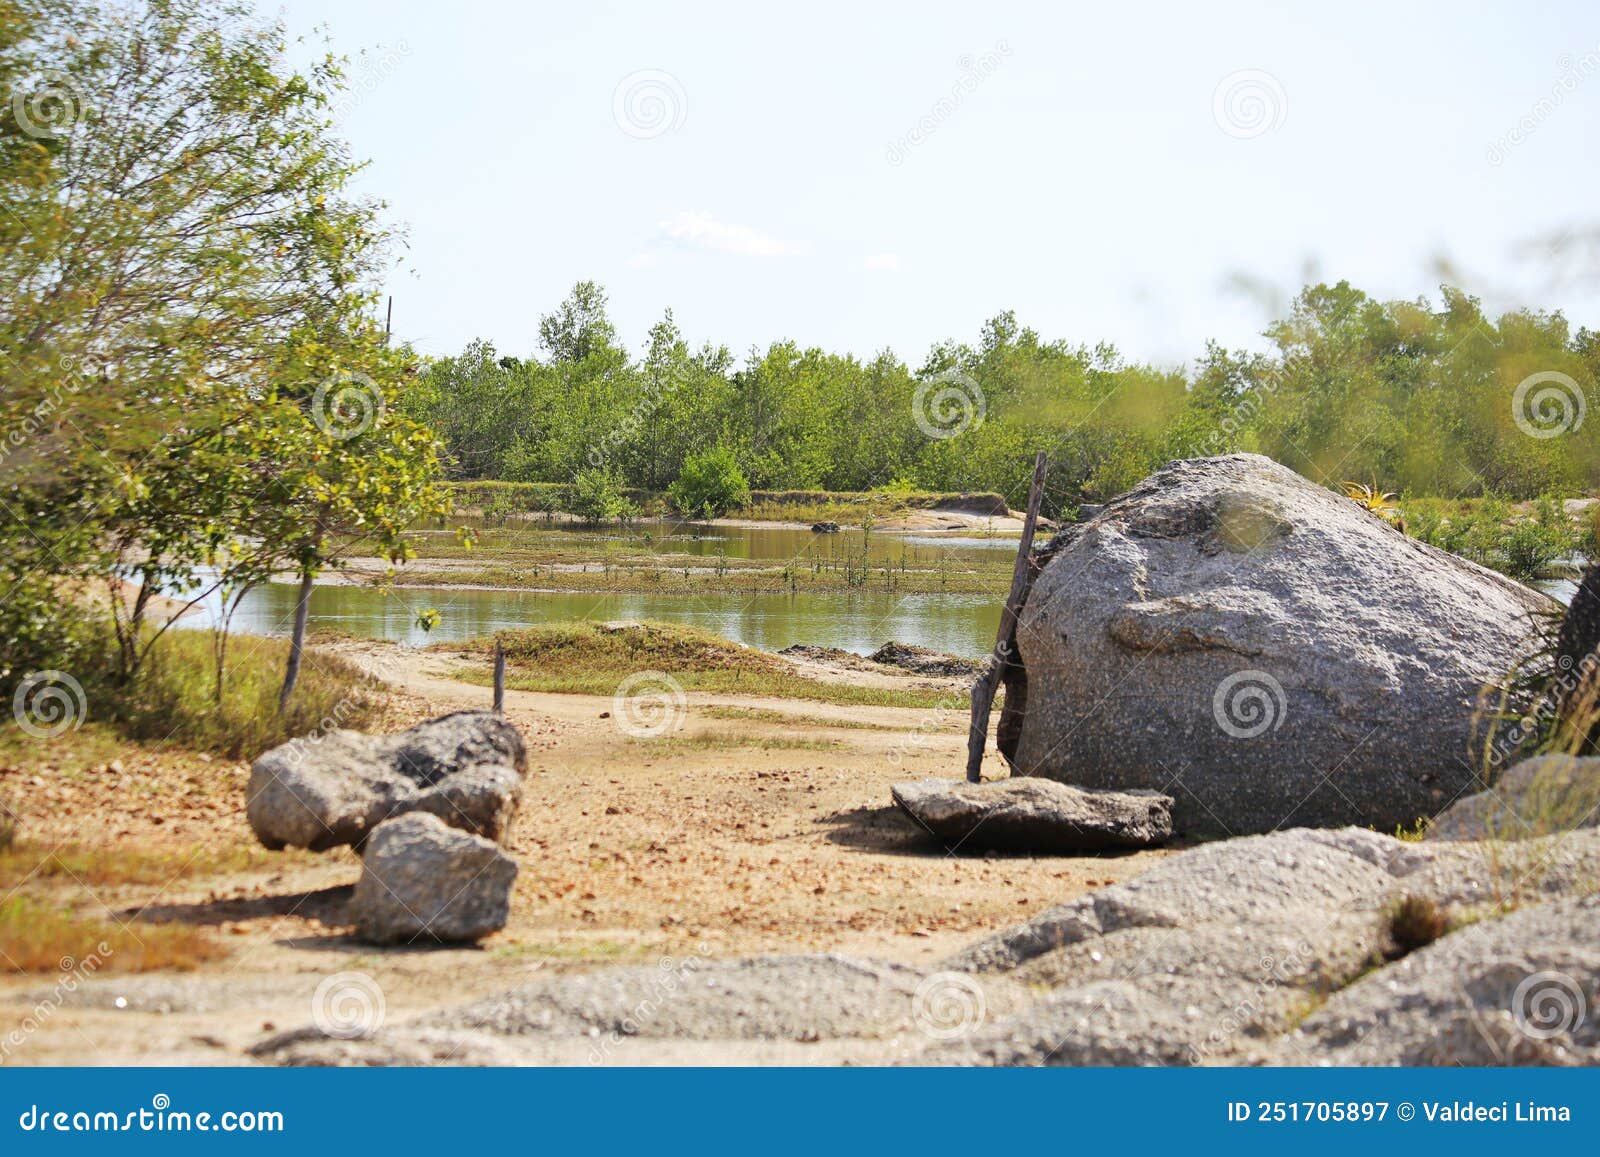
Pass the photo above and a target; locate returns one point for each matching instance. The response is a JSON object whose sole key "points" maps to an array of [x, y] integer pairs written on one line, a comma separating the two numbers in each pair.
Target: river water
{"points": [[961, 624]]}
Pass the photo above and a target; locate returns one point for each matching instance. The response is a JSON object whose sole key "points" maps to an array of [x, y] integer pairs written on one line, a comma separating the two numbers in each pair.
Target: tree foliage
{"points": [[193, 390], [1417, 397]]}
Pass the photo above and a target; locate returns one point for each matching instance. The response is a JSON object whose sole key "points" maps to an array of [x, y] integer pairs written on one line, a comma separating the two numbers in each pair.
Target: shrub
{"points": [[597, 497], [710, 484]]}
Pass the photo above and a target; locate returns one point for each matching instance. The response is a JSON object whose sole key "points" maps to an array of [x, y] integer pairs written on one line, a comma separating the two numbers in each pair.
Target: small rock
{"points": [[1035, 815], [423, 880], [318, 793]]}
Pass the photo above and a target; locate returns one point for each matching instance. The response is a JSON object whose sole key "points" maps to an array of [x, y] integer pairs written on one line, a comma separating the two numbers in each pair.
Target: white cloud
{"points": [[703, 231], [882, 261]]}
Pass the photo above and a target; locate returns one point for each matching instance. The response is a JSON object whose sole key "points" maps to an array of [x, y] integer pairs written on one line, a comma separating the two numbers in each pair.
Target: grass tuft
{"points": [[1415, 922], [174, 698], [36, 938]]}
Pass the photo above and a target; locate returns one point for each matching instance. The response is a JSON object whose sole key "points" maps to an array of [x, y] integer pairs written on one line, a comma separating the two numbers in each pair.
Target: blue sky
{"points": [[866, 176]]}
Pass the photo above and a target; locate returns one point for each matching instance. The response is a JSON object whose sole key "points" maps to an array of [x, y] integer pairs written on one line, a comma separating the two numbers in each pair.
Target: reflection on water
{"points": [[960, 624]]}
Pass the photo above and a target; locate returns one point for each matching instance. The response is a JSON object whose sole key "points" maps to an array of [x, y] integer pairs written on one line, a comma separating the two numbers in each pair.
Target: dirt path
{"points": [[752, 826]]}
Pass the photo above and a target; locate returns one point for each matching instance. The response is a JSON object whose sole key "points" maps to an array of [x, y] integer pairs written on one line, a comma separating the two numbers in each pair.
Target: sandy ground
{"points": [[720, 837]]}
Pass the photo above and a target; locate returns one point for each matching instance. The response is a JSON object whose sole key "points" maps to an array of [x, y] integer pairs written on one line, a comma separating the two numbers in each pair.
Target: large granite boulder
{"points": [[423, 880], [1537, 797], [1034, 815], [324, 791], [1264, 650]]}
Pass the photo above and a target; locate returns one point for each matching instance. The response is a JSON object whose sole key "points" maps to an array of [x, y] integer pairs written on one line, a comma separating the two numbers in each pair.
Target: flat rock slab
{"points": [[325, 791], [423, 880], [1035, 815]]}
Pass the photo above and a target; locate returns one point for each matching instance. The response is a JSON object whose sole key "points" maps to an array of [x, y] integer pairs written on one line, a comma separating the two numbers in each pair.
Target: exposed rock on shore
{"points": [[1266, 651]]}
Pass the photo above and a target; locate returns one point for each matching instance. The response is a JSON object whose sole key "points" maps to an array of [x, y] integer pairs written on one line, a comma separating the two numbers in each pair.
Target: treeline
{"points": [[1421, 398]]}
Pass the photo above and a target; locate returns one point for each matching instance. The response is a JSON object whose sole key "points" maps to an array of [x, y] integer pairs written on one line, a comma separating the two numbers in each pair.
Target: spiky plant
{"points": [[1370, 498]]}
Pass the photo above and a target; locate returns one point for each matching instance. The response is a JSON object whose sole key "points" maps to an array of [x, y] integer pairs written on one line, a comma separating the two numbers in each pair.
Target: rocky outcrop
{"points": [[1264, 650], [320, 792], [423, 880], [1520, 990], [1537, 797], [1281, 948], [1034, 815]]}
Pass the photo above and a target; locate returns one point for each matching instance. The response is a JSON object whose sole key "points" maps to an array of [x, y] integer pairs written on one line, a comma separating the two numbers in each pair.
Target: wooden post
{"points": [[989, 682], [499, 677]]}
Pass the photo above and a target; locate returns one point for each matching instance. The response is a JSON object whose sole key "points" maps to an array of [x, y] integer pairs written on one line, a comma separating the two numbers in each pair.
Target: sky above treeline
{"points": [[870, 176]]}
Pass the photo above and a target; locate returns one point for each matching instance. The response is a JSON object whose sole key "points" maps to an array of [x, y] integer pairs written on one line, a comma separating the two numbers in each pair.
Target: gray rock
{"points": [[773, 1009], [1034, 815], [423, 880], [1523, 989], [1260, 648], [325, 791], [1537, 797]]}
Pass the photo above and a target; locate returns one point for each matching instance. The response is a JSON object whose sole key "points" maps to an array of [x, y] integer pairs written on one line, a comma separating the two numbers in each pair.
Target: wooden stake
{"points": [[989, 682], [499, 677]]}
